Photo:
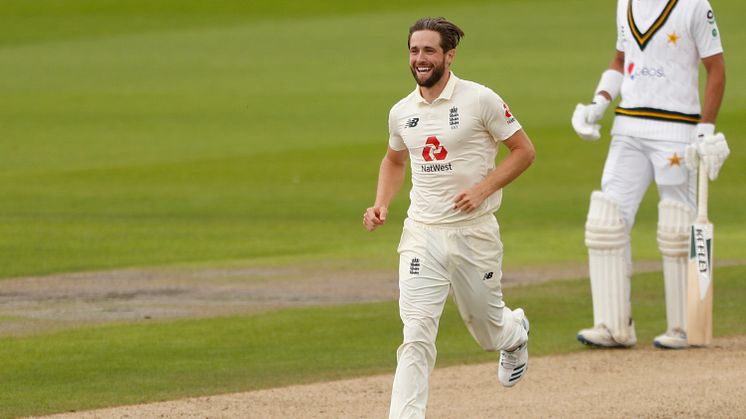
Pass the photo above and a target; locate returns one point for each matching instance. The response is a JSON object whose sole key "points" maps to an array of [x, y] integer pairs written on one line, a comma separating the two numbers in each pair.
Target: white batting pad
{"points": [[674, 220], [607, 239]]}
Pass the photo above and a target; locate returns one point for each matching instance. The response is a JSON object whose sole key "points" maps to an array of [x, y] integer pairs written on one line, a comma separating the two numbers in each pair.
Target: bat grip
{"points": [[702, 192]]}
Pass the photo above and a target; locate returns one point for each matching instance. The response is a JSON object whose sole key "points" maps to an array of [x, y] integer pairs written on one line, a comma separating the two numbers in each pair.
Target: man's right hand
{"points": [[374, 217], [585, 118]]}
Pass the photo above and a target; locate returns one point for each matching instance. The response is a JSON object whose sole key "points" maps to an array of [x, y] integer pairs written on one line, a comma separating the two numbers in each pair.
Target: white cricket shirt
{"points": [[452, 145], [663, 42]]}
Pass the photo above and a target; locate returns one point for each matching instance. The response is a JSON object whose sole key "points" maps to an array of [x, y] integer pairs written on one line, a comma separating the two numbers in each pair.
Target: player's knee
{"points": [[420, 330], [418, 353], [605, 227], [674, 219]]}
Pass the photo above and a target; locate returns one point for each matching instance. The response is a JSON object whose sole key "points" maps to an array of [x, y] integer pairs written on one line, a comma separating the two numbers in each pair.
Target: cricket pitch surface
{"points": [[637, 382]]}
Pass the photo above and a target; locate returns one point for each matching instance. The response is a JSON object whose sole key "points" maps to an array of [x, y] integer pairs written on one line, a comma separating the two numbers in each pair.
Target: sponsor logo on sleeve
{"points": [[710, 17], [508, 115]]}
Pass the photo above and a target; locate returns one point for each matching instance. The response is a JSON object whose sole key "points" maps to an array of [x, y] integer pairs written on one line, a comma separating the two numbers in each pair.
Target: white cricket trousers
{"points": [[433, 259], [633, 163]]}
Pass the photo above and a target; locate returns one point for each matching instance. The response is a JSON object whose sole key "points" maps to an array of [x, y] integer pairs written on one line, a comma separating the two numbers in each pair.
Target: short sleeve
{"points": [[396, 142], [705, 30], [496, 116]]}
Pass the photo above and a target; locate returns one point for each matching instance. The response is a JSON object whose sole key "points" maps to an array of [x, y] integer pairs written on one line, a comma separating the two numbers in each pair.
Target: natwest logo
{"points": [[635, 72], [508, 115], [433, 150]]}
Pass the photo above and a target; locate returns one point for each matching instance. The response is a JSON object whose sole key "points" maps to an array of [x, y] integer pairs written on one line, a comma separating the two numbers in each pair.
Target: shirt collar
{"points": [[444, 95]]}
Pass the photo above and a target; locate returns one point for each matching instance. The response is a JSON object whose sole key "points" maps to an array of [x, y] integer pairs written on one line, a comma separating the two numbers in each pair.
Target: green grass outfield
{"points": [[165, 132], [159, 133]]}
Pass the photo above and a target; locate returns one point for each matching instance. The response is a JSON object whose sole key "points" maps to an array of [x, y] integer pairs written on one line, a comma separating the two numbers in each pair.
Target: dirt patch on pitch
{"points": [[32, 304], [639, 382], [45, 303]]}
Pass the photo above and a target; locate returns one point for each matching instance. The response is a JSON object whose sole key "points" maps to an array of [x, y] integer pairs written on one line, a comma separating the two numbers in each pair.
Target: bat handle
{"points": [[702, 192]]}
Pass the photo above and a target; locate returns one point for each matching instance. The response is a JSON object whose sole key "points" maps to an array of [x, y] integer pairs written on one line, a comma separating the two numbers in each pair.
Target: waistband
{"points": [[659, 115], [487, 218]]}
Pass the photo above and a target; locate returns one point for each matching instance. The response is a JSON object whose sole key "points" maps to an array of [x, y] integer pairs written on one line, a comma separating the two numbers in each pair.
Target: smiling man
{"points": [[450, 129]]}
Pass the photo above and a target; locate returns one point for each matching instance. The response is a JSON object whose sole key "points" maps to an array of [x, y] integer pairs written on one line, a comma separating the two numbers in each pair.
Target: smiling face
{"points": [[427, 60]]}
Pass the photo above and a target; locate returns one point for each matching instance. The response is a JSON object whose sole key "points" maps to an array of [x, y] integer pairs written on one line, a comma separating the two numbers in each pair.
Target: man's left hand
{"points": [[468, 200], [711, 148]]}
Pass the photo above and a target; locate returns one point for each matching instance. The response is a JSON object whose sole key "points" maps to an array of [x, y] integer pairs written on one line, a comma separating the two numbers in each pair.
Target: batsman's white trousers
{"points": [[433, 258], [633, 163]]}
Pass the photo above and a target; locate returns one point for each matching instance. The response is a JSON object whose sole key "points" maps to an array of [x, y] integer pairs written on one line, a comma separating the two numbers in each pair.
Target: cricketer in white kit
{"points": [[660, 133], [450, 129]]}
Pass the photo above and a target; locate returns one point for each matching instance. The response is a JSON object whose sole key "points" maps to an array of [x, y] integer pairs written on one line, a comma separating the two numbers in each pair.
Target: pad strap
{"points": [[605, 227], [674, 219]]}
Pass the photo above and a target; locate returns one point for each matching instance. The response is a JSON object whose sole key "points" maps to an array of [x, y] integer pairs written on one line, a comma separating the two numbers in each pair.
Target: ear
{"points": [[450, 55]]}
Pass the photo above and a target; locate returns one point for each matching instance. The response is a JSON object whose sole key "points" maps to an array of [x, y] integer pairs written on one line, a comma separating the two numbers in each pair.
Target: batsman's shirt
{"points": [[452, 145], [663, 42]]}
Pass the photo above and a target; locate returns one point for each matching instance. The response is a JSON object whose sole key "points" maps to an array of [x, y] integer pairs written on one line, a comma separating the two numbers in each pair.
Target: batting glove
{"points": [[585, 118], [595, 111], [711, 148]]}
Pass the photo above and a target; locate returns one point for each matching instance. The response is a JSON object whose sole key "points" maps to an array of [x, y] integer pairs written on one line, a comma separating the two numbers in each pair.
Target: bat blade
{"points": [[700, 284]]}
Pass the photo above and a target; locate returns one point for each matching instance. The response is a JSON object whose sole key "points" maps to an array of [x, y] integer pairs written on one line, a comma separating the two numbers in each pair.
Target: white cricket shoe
{"points": [[514, 364], [601, 336], [672, 339]]}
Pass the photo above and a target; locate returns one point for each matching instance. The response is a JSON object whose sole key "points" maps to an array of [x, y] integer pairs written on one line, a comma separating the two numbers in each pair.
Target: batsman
{"points": [[660, 132]]}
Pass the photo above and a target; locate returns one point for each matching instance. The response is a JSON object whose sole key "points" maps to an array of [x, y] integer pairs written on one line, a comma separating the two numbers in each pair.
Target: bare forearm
{"points": [[714, 88], [520, 158], [617, 63], [508, 170], [390, 178]]}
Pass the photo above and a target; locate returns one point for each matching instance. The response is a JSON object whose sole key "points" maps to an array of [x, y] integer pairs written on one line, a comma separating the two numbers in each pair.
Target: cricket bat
{"points": [[699, 273]]}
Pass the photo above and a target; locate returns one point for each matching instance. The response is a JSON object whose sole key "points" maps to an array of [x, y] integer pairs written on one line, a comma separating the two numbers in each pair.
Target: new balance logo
{"points": [[411, 122], [414, 267], [487, 276]]}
